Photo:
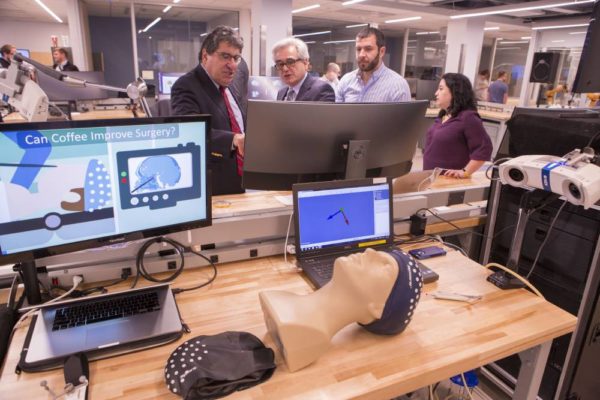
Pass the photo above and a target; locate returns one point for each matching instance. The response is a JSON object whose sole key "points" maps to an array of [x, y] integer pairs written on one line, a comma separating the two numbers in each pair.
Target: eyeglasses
{"points": [[229, 57], [290, 62]]}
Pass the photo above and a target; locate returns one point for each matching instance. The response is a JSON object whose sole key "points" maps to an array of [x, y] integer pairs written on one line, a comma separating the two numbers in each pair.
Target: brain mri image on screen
{"points": [[158, 178]]}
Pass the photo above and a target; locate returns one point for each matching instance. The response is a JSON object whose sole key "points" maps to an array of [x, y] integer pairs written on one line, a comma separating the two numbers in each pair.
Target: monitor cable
{"points": [[180, 250]]}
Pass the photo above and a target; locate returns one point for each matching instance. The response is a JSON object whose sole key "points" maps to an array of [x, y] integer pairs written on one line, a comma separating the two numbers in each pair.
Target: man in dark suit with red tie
{"points": [[291, 61], [206, 90]]}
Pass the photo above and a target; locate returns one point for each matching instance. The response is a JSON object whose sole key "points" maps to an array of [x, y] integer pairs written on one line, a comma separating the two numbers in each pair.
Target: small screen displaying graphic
{"points": [[159, 173]]}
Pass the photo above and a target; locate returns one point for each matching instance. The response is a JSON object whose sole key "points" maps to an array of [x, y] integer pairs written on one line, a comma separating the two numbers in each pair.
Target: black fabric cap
{"points": [[210, 367]]}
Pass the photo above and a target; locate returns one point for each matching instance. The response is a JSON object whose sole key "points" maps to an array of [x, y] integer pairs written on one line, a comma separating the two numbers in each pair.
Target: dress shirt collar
{"points": [[376, 74]]}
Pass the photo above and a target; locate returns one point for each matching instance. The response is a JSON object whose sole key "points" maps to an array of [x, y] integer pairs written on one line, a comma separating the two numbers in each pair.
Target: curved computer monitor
{"points": [[292, 142], [72, 185]]}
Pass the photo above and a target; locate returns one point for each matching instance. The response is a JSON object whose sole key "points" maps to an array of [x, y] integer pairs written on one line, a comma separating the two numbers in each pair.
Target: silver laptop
{"points": [[102, 326]]}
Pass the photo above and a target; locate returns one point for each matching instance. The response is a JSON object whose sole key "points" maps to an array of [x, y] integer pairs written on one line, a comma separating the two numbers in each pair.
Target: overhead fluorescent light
{"points": [[492, 28], [349, 2], [428, 33], [558, 41], [151, 24], [203, 34], [312, 33], [356, 25], [541, 28], [393, 21], [310, 42], [166, 9], [299, 10], [339, 41], [514, 42], [525, 37], [48, 10], [429, 49], [508, 48], [176, 1], [513, 10], [436, 41], [578, 33]]}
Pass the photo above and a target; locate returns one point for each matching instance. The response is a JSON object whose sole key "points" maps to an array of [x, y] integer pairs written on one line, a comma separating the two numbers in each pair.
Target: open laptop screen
{"points": [[342, 214]]}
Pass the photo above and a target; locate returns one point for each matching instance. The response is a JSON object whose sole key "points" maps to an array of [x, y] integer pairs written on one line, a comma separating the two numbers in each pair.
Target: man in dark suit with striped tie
{"points": [[207, 90], [291, 60]]}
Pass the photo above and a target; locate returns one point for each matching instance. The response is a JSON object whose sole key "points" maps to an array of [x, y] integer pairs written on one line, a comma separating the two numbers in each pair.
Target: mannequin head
{"points": [[377, 289], [368, 277]]}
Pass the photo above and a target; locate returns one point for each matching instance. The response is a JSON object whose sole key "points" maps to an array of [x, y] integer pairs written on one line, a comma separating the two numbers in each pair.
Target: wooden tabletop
{"points": [[444, 338]]}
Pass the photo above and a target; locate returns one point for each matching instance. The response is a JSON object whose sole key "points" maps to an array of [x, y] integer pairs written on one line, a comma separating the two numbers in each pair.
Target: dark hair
{"points": [[62, 51], [463, 97], [485, 72], [368, 31], [7, 48], [219, 35], [501, 74]]}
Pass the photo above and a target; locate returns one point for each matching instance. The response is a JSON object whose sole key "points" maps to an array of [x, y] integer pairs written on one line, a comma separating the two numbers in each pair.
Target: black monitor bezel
{"points": [[31, 255]]}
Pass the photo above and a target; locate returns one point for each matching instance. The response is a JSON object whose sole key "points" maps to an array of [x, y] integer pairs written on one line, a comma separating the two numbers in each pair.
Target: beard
{"points": [[370, 66]]}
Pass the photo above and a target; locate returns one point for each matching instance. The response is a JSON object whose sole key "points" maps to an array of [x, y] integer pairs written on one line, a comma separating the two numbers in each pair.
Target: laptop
{"points": [[101, 326], [338, 218]]}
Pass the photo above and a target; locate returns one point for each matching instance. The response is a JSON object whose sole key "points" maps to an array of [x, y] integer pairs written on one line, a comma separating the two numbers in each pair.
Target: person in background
{"points": [[207, 90], [291, 61], [457, 141], [7, 52], [372, 81], [61, 60], [482, 82], [332, 75], [498, 90]]}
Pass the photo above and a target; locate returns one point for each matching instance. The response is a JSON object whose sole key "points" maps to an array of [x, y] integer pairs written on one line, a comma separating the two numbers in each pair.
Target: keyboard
{"points": [[103, 310], [320, 270]]}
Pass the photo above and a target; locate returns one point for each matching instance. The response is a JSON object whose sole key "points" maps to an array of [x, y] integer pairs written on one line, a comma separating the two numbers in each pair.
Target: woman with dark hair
{"points": [[457, 141]]}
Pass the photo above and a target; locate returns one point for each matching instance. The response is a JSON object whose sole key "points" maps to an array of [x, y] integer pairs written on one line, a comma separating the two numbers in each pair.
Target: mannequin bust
{"points": [[377, 289]]}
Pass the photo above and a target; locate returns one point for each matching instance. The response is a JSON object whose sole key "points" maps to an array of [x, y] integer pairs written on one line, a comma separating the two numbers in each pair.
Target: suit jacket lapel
{"points": [[211, 91], [306, 85]]}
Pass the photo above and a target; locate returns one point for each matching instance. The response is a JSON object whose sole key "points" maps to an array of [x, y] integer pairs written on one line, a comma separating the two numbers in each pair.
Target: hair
{"points": [[6, 49], [62, 51], [368, 31], [299, 44], [485, 73], [501, 74], [333, 67], [463, 97], [221, 34]]}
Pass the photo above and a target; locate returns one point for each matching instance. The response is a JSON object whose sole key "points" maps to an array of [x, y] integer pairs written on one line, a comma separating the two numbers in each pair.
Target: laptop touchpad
{"points": [[109, 332]]}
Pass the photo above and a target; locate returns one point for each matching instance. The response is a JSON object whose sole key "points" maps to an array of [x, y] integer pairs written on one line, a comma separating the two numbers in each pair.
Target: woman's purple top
{"points": [[454, 143]]}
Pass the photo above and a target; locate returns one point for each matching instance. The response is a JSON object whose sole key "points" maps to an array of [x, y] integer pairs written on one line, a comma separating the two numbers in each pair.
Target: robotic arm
{"points": [[21, 92], [574, 176]]}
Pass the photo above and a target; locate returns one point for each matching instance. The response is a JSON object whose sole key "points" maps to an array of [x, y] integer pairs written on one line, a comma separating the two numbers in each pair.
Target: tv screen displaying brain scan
{"points": [[66, 185]]}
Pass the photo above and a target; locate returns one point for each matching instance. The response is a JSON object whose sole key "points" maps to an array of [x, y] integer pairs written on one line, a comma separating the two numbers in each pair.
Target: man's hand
{"points": [[238, 142]]}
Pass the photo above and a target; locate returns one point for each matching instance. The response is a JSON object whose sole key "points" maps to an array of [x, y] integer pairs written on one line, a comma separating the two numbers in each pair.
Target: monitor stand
{"points": [[356, 152], [30, 282]]}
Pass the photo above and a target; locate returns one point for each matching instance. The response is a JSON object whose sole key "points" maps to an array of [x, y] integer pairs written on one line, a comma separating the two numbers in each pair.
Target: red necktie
{"points": [[235, 128]]}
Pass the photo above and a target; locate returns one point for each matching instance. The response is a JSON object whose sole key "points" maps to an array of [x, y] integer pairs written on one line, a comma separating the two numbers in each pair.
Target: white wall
{"points": [[548, 38], [34, 36]]}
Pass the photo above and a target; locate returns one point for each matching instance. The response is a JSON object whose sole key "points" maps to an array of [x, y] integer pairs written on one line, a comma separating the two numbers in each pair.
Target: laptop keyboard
{"points": [[103, 310], [320, 270]]}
